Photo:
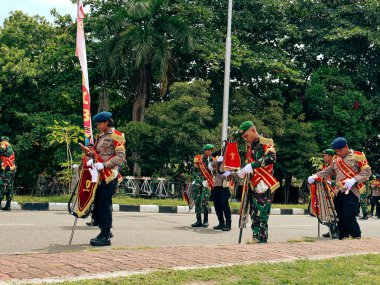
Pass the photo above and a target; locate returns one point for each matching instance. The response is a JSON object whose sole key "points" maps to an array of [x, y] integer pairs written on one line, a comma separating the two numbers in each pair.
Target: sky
{"points": [[37, 7]]}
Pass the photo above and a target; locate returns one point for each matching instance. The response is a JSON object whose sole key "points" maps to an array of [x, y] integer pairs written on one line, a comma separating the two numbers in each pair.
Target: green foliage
{"points": [[174, 131], [304, 71], [64, 133]]}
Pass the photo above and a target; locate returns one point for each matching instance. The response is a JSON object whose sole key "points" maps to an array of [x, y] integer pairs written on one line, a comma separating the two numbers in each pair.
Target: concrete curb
{"points": [[144, 208]]}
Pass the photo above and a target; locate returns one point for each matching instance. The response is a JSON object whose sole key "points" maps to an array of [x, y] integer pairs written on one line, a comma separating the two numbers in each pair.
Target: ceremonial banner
{"points": [[86, 191], [80, 52], [231, 156]]}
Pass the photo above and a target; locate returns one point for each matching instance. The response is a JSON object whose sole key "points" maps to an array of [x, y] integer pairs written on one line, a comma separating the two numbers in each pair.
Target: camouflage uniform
{"points": [[364, 201], [7, 172], [201, 193], [261, 199]]}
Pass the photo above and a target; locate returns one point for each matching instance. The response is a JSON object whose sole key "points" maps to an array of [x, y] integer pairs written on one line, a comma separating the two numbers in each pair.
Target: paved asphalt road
{"points": [[47, 231]]}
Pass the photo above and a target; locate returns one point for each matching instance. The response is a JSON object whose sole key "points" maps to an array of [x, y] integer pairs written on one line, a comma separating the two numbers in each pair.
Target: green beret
{"points": [[245, 126], [4, 138], [329, 151], [208, 147], [102, 117]]}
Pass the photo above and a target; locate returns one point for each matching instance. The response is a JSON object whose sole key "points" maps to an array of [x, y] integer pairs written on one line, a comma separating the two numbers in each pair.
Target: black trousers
{"points": [[346, 209], [102, 212], [220, 196], [375, 201]]}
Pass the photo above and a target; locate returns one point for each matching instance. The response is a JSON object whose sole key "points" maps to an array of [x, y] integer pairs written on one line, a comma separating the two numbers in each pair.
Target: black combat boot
{"points": [[220, 226], [227, 227], [103, 239], [7, 206], [365, 217], [205, 219], [227, 213], [198, 223]]}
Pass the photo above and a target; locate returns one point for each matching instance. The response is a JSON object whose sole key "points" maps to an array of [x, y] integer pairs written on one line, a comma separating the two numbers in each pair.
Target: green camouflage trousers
{"points": [[260, 209], [201, 199], [364, 203], [7, 184]]}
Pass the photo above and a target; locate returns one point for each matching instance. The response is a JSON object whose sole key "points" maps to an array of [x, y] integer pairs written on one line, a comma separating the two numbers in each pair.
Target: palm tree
{"points": [[142, 49]]}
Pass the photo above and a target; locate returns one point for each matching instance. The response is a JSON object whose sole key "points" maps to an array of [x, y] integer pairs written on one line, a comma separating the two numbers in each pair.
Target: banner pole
{"points": [[73, 230]]}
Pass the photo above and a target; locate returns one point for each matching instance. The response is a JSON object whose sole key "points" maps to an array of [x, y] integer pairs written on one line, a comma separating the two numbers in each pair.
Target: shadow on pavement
{"points": [[56, 248]]}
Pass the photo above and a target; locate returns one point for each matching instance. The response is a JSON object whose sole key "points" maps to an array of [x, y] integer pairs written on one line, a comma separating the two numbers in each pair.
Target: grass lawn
{"points": [[359, 269], [128, 200]]}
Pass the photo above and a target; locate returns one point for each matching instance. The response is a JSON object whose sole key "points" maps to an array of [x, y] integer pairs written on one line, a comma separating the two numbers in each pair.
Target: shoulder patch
{"points": [[266, 141], [359, 156], [118, 136]]}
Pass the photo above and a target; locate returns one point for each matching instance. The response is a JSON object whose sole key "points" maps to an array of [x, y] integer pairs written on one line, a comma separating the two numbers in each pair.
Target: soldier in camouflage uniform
{"points": [[375, 195], [202, 183], [364, 201], [7, 171], [260, 158]]}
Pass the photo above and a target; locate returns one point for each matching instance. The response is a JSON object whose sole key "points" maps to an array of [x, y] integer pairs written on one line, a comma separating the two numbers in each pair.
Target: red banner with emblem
{"points": [[86, 191], [231, 156]]}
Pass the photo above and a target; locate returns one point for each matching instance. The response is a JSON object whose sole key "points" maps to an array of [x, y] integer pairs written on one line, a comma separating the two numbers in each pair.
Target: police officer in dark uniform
{"points": [[108, 154], [220, 195]]}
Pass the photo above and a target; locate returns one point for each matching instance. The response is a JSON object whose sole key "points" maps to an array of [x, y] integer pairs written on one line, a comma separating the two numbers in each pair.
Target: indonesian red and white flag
{"points": [[80, 52]]}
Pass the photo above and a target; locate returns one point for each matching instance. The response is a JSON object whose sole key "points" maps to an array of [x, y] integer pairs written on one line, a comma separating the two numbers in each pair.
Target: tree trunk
{"points": [[103, 97], [139, 104]]}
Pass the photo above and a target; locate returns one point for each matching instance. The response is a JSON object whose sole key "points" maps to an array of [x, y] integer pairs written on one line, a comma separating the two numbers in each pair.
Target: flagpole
{"points": [[227, 73], [80, 52]]}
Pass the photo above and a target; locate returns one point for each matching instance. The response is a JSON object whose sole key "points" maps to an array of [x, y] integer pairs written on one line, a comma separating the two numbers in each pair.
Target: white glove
{"points": [[99, 166], [205, 183], [348, 185], [94, 174], [226, 173], [311, 179], [90, 162], [220, 158], [245, 170], [209, 166]]}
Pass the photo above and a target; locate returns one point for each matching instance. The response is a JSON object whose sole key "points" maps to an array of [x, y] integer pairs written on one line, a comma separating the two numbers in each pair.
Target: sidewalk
{"points": [[106, 262], [143, 208]]}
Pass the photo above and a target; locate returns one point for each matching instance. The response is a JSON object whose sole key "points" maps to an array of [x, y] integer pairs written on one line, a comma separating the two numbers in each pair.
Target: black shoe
{"points": [[205, 224], [326, 235], [102, 241], [219, 227], [100, 235], [197, 224], [226, 228], [363, 218]]}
